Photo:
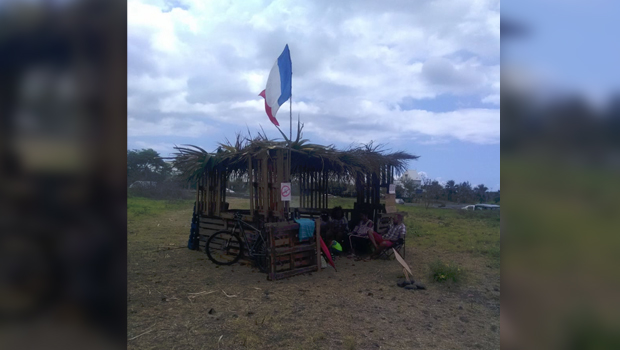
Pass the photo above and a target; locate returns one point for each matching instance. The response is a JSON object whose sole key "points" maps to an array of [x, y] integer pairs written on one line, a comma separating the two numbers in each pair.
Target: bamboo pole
{"points": [[251, 184]]}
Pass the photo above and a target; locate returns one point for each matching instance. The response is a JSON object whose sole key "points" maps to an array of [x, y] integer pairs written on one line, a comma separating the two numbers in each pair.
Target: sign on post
{"points": [[392, 189], [285, 191]]}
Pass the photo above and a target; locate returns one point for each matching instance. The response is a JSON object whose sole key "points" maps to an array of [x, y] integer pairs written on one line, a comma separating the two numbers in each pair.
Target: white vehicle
{"points": [[399, 201], [481, 207]]}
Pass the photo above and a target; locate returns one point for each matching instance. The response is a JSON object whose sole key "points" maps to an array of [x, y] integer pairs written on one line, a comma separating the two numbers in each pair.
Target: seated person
{"points": [[395, 233], [337, 217], [360, 231]]}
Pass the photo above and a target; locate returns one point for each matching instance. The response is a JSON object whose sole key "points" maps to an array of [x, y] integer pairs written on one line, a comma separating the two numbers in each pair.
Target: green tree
{"points": [[146, 165], [450, 189], [406, 188], [464, 192], [481, 193], [431, 191]]}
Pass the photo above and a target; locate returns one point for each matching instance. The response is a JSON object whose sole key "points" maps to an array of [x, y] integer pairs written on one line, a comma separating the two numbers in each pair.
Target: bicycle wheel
{"points": [[224, 248], [261, 258]]}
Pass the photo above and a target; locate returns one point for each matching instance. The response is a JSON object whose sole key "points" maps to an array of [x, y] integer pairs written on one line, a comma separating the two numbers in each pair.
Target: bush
{"points": [[441, 272]]}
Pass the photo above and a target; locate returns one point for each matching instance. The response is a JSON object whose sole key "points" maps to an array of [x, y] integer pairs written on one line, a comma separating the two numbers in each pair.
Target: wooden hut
{"points": [[266, 164]]}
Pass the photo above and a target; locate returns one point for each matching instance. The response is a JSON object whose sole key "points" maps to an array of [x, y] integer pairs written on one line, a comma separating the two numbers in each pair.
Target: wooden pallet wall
{"points": [[289, 256]]}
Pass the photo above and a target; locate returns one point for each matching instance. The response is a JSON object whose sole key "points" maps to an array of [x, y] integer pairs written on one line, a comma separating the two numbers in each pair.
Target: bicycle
{"points": [[226, 247]]}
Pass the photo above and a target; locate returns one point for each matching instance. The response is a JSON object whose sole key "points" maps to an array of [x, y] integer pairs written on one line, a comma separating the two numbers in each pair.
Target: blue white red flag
{"points": [[279, 85]]}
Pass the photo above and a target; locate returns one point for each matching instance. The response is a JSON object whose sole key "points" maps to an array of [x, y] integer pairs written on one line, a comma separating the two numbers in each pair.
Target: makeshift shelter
{"points": [[266, 164]]}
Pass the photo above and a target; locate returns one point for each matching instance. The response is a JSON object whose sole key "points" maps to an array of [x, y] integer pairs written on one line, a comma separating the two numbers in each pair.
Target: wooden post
{"points": [[206, 194], [317, 234], [279, 179], [265, 185], [272, 251], [218, 192], [251, 184]]}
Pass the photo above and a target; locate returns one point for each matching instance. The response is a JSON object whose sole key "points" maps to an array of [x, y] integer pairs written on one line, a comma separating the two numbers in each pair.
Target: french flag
{"points": [[279, 85]]}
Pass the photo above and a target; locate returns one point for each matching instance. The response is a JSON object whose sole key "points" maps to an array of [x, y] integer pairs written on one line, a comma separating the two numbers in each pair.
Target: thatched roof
{"points": [[192, 161]]}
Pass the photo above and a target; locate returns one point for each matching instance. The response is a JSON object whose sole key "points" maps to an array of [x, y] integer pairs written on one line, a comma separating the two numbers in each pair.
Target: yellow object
{"points": [[336, 246]]}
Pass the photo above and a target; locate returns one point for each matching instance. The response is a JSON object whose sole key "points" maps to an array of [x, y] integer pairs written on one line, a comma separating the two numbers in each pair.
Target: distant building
{"points": [[410, 174]]}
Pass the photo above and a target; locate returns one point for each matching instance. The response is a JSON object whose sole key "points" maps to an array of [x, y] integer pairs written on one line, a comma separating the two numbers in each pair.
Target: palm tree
{"points": [[481, 192], [450, 189]]}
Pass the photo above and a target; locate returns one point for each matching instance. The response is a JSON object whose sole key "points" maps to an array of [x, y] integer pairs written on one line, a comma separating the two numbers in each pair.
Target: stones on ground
{"points": [[370, 294], [496, 289], [494, 328], [393, 298], [464, 319], [250, 313], [211, 311], [403, 283], [460, 307]]}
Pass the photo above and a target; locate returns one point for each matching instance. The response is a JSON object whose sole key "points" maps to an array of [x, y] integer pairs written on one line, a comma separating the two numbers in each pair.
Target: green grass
{"points": [[441, 272], [475, 233], [472, 232], [138, 207]]}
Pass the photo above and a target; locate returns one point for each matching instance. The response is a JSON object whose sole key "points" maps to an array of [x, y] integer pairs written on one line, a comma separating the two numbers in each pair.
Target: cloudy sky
{"points": [[420, 76]]}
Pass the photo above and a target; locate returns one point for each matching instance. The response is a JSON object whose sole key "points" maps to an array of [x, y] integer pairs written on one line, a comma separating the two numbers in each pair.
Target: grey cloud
{"points": [[405, 32], [217, 86], [440, 71]]}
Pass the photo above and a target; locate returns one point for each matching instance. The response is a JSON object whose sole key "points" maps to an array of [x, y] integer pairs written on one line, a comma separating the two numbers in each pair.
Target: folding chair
{"points": [[384, 223], [398, 246]]}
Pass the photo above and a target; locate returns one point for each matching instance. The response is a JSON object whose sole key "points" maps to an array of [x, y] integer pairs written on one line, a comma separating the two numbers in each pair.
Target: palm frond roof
{"points": [[233, 157]]}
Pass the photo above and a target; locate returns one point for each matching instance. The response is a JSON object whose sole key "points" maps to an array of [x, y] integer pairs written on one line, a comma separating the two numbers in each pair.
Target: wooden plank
{"points": [[282, 226], [207, 232], [282, 241], [297, 249], [281, 275], [283, 234], [317, 234], [304, 255], [212, 227], [211, 220], [230, 215]]}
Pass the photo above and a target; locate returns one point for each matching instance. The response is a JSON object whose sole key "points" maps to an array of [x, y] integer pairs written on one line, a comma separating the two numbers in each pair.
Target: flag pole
{"points": [[290, 142]]}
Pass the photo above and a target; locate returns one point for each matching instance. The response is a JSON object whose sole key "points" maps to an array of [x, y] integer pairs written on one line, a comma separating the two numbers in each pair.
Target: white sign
{"points": [[285, 191], [392, 189]]}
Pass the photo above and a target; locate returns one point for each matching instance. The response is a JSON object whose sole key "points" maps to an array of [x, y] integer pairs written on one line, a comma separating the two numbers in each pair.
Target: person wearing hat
{"points": [[396, 232]]}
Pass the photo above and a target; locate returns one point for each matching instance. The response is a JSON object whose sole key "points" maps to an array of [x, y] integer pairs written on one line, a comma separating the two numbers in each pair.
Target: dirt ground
{"points": [[178, 299]]}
